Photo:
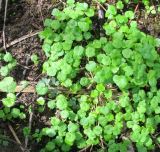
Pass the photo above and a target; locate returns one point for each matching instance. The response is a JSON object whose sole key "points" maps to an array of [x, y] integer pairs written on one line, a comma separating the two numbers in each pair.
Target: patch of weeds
{"points": [[95, 85], [88, 111]]}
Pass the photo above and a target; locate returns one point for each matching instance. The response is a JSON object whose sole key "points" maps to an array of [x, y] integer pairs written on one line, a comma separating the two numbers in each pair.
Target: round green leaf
{"points": [[70, 138], [41, 88], [51, 104], [120, 81], [90, 51]]}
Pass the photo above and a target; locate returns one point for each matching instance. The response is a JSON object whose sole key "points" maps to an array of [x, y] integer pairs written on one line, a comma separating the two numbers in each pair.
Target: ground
{"points": [[23, 17]]}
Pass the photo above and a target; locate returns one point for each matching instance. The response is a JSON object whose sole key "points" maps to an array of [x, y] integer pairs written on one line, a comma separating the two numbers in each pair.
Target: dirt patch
{"points": [[23, 18], [150, 24]]}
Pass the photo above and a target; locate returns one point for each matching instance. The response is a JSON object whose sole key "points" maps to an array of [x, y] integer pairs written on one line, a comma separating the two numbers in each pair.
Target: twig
{"points": [[55, 5], [20, 39], [23, 66], [91, 148], [4, 25], [100, 5], [38, 77], [8, 139], [0, 4], [40, 10], [136, 8], [27, 62], [102, 145], [154, 138], [84, 149], [15, 136], [30, 127]]}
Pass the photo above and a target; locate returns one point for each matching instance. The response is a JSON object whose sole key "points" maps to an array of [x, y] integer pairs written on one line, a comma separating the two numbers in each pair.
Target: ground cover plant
{"points": [[101, 81]]}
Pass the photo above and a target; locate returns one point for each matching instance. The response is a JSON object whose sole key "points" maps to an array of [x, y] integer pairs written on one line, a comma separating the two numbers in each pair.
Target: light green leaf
{"points": [[61, 102], [64, 114], [8, 57], [41, 88], [7, 84], [40, 101], [102, 58], [50, 146], [10, 100], [55, 24], [84, 81], [72, 127], [70, 138], [120, 81], [97, 130], [15, 112], [120, 5], [127, 53], [100, 87], [91, 66], [90, 51], [90, 12], [84, 26], [4, 71], [129, 14], [78, 52], [51, 104]]}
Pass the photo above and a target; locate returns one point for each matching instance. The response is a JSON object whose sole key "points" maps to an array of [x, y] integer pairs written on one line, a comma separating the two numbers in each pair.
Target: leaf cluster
{"points": [[90, 112]]}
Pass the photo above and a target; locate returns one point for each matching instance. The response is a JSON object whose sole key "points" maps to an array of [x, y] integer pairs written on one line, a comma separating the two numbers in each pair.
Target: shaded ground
{"points": [[24, 17]]}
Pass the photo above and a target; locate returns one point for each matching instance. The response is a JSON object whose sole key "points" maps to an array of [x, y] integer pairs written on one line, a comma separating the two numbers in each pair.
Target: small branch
{"points": [[40, 10], [19, 40], [100, 5], [15, 136], [31, 89], [27, 62], [102, 143], [4, 25], [0, 4], [136, 8], [56, 5], [84, 149], [8, 139], [91, 148], [154, 138], [30, 127]]}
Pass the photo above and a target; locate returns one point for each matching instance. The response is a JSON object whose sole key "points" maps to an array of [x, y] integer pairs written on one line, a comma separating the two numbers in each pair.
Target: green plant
{"points": [[7, 84], [103, 81], [151, 9], [10, 63], [3, 140], [99, 92], [35, 59]]}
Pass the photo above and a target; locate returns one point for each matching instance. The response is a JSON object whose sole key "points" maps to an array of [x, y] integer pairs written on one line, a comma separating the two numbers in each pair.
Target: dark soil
{"points": [[23, 17]]}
